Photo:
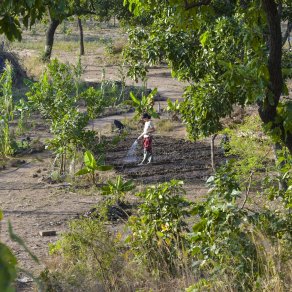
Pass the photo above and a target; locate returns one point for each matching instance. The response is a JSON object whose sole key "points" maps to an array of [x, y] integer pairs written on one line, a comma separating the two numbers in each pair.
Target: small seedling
{"points": [[118, 188], [92, 166]]}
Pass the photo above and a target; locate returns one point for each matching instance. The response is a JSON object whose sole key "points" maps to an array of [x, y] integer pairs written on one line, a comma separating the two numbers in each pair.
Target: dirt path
{"points": [[158, 77], [32, 205]]}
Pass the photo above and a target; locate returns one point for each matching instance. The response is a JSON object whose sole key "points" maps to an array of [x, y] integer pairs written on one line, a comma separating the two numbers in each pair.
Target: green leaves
{"points": [[89, 160], [204, 38], [219, 239], [118, 188], [7, 110], [158, 231], [56, 96], [145, 105], [10, 26], [7, 268], [224, 57], [91, 166], [11, 11]]}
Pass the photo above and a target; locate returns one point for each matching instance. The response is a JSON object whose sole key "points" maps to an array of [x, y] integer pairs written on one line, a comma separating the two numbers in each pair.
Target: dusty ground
{"points": [[32, 205]]}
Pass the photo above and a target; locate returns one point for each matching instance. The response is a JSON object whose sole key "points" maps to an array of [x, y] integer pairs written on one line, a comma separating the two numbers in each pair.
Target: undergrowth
{"points": [[225, 247]]}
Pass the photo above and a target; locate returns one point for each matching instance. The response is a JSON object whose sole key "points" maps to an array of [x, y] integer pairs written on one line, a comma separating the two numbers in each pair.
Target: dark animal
{"points": [[225, 146], [119, 125]]}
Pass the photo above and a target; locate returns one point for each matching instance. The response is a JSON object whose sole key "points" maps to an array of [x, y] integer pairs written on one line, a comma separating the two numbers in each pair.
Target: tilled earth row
{"points": [[173, 159]]}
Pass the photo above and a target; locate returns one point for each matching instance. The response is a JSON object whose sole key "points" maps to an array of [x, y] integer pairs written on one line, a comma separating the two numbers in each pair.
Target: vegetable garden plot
{"points": [[173, 159]]}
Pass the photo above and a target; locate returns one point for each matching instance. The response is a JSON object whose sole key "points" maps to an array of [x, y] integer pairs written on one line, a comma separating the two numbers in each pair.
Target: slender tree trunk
{"points": [[213, 152], [50, 38], [82, 52], [268, 107]]}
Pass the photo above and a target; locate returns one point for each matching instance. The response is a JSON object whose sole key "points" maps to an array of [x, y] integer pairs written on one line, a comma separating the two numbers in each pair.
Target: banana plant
{"points": [[92, 166], [144, 105], [118, 188], [173, 108]]}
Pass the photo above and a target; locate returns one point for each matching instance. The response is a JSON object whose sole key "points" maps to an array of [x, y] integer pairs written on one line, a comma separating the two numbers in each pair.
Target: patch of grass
{"points": [[132, 124], [114, 48], [28, 44], [165, 125]]}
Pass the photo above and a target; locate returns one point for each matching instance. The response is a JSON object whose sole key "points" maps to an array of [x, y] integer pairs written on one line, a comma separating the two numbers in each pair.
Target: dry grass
{"points": [[164, 125], [34, 66]]}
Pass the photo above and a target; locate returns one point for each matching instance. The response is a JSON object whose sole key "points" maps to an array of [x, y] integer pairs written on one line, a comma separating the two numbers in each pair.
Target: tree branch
{"points": [[196, 4]]}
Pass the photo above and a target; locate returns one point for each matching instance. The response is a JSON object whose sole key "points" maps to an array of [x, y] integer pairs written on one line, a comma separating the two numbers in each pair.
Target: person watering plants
{"points": [[147, 139]]}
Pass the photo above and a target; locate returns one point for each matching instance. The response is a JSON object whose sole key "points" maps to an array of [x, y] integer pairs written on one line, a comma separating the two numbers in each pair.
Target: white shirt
{"points": [[147, 126]]}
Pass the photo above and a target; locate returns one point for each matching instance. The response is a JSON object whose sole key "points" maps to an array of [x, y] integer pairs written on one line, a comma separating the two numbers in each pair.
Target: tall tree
{"points": [[230, 52], [103, 10], [60, 10]]}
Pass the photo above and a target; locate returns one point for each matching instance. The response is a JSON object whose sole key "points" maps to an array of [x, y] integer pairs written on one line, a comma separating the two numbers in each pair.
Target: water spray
{"points": [[131, 156]]}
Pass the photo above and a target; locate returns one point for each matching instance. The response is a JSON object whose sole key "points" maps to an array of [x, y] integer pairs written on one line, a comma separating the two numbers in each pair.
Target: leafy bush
{"points": [[220, 242], [144, 105], [6, 110], [173, 109], [56, 96], [158, 232], [90, 258], [250, 146], [230, 245]]}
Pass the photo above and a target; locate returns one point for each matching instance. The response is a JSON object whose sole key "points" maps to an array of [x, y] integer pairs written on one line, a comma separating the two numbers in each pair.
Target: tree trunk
{"points": [[268, 107], [213, 152], [81, 37], [50, 38]]}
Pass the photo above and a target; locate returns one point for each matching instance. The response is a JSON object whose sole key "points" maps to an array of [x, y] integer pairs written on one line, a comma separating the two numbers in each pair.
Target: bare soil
{"points": [[173, 159]]}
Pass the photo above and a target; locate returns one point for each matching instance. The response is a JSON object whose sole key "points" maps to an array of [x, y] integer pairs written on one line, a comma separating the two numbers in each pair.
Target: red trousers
{"points": [[147, 143]]}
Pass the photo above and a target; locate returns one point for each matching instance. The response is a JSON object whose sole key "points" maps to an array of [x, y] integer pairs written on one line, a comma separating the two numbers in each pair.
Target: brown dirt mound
{"points": [[18, 72]]}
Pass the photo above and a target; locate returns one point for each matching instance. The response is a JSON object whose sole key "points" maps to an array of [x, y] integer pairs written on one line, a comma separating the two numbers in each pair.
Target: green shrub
{"points": [[230, 245], [92, 166], [7, 109], [158, 232]]}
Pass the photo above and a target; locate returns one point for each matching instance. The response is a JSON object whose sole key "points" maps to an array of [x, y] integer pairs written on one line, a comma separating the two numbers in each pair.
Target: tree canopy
{"points": [[12, 11], [13, 14], [229, 52]]}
